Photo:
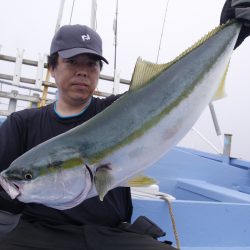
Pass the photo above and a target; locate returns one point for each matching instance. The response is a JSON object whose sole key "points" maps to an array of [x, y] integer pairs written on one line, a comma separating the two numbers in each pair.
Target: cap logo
{"points": [[85, 37]]}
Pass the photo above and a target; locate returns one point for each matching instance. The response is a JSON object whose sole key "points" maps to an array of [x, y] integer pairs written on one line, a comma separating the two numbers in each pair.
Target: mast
{"points": [[93, 14], [58, 24], [59, 17], [115, 33], [116, 75]]}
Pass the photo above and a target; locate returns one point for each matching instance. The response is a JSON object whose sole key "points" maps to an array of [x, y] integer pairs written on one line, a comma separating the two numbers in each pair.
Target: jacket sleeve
{"points": [[105, 102], [239, 10], [12, 136]]}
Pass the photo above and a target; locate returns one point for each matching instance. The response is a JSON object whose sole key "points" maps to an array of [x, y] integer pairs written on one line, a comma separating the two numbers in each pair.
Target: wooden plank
{"points": [[35, 63], [48, 84], [22, 79], [25, 61], [21, 97], [36, 99], [100, 93], [25, 87]]}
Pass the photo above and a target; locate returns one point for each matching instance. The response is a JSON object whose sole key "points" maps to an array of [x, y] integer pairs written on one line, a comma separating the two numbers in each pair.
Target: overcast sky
{"points": [[30, 24]]}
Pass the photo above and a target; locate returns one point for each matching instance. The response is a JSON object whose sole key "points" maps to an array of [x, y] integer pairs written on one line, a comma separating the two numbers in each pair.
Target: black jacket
{"points": [[27, 128]]}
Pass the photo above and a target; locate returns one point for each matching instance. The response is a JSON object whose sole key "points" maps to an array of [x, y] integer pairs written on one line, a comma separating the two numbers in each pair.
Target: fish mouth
{"points": [[11, 188]]}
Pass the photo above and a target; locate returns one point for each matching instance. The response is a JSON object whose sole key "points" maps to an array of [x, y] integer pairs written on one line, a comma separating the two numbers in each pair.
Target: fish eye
{"points": [[28, 176]]}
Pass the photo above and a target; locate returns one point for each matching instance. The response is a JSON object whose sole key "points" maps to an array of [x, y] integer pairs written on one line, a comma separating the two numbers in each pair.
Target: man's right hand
{"points": [[9, 205], [8, 222]]}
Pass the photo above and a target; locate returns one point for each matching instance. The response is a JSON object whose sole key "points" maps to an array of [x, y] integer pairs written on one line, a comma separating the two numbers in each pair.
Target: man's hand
{"points": [[239, 10]]}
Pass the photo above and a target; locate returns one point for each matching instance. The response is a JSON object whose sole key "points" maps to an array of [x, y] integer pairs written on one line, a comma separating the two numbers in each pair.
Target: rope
{"points": [[163, 26], [166, 197], [170, 209]]}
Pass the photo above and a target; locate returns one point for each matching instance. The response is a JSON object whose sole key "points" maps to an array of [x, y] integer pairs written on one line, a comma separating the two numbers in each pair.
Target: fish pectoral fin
{"points": [[141, 181], [103, 180]]}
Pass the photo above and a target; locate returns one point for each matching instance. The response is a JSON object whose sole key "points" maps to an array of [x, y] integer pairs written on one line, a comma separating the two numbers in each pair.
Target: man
{"points": [[75, 62]]}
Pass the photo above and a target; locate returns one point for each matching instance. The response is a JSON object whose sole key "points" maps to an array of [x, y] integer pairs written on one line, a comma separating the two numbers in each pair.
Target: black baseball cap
{"points": [[71, 40]]}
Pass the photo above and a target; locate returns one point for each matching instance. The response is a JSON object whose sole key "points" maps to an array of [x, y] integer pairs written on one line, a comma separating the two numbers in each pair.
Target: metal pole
{"points": [[47, 78], [116, 75], [72, 9], [216, 123], [59, 17], [227, 148], [215, 120], [93, 15], [115, 32]]}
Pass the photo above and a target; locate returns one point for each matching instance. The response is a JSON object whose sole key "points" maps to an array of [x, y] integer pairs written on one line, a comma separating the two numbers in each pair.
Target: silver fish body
{"points": [[129, 136]]}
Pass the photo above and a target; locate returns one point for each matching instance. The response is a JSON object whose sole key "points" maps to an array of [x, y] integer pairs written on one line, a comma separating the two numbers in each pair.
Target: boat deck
{"points": [[210, 209]]}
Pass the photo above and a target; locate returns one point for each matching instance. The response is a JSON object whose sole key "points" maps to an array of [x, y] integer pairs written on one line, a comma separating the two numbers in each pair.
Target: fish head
{"points": [[58, 184]]}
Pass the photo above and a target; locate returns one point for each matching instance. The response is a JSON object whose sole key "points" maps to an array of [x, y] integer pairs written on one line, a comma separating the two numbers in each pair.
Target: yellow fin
{"points": [[221, 93], [141, 181], [144, 72]]}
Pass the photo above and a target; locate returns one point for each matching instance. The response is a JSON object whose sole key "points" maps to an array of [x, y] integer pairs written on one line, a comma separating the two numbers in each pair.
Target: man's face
{"points": [[76, 78]]}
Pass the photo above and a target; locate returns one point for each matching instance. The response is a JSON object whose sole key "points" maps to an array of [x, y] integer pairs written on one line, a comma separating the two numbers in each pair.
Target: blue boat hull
{"points": [[211, 210]]}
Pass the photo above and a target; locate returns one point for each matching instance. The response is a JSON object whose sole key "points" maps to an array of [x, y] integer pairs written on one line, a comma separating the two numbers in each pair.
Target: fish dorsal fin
{"points": [[141, 181], [145, 71]]}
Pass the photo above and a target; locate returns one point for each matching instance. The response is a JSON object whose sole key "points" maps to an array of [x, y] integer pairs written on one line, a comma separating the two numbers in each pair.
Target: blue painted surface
{"points": [[199, 223], [180, 166], [212, 206]]}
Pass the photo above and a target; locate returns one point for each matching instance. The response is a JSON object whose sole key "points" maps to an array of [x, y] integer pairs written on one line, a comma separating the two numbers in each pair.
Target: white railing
{"points": [[41, 92]]}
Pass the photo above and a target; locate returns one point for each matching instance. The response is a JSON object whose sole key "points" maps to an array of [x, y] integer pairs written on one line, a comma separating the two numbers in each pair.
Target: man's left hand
{"points": [[239, 10]]}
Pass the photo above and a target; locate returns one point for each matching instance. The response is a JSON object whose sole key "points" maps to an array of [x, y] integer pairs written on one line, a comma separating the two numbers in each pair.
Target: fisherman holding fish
{"points": [[75, 62]]}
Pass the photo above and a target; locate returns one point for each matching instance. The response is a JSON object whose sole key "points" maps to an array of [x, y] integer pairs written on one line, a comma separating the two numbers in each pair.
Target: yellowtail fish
{"points": [[114, 147]]}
